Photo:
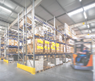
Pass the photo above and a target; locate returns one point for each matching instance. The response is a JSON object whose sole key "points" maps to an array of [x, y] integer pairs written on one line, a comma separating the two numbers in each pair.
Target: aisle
{"points": [[9, 72]]}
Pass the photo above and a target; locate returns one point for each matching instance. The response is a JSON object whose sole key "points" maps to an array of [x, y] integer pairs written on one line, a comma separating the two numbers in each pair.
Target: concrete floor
{"points": [[9, 72]]}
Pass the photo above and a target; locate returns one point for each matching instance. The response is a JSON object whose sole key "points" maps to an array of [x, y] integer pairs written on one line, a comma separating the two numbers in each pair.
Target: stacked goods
{"points": [[59, 38], [2, 47], [70, 42], [28, 21], [53, 47], [39, 64], [46, 47], [12, 50], [72, 49], [11, 42], [58, 48], [2, 42], [68, 49], [61, 48], [20, 51], [58, 61], [15, 43], [67, 30], [38, 46]]}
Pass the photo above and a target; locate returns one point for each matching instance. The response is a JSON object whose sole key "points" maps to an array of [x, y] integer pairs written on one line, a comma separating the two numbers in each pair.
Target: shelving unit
{"points": [[34, 36], [37, 44], [10, 46]]}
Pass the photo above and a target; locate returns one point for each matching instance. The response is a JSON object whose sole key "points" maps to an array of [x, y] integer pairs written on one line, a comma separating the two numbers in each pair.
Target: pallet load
{"points": [[28, 21], [38, 46], [11, 42], [68, 49], [58, 61], [67, 30], [46, 47], [15, 43], [72, 49], [39, 64], [61, 48], [53, 45], [58, 48], [12, 50]]}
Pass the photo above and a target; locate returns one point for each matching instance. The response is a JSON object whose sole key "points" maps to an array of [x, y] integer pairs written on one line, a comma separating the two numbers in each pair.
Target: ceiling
{"points": [[47, 10]]}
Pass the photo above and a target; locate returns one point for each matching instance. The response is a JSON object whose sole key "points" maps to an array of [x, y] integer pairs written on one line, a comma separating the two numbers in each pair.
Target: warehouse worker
{"points": [[85, 51], [82, 54]]}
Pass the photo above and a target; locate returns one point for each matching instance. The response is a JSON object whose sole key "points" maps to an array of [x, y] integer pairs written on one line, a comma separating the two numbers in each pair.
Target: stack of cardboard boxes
{"points": [[23, 22], [38, 46], [53, 47], [39, 64], [46, 47], [67, 30]]}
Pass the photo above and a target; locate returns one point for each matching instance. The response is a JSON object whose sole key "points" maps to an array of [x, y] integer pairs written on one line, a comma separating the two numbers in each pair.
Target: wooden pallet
{"points": [[39, 71], [59, 64]]}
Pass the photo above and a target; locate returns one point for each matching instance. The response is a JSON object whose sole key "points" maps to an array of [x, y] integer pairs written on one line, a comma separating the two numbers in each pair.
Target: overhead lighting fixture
{"points": [[89, 6], [85, 15], [88, 26], [5, 9], [80, 0], [81, 9], [1, 27], [75, 12], [89, 31]]}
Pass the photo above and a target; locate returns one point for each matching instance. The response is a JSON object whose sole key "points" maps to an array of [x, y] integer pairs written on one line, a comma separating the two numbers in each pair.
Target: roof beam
{"points": [[17, 4], [86, 28], [81, 35], [5, 21], [7, 8], [66, 13], [81, 24], [50, 14], [71, 11], [37, 2]]}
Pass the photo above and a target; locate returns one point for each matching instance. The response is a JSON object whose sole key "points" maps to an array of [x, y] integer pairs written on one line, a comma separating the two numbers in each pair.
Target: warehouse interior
{"points": [[47, 40]]}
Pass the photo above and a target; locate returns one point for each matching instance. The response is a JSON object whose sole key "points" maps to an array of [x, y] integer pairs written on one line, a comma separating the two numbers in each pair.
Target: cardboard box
{"points": [[38, 46], [12, 50], [38, 64], [28, 21], [53, 47], [61, 48], [11, 42], [15, 43], [46, 47], [57, 48]]}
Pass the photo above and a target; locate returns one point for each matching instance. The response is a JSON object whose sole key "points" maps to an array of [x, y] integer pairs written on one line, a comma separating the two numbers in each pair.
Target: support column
{"points": [[55, 39], [26, 31], [23, 35], [0, 47], [93, 53], [33, 14], [18, 38]]}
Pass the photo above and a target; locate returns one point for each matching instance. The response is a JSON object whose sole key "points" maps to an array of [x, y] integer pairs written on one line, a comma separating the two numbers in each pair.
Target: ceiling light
{"points": [[5, 9], [80, 0], [89, 6], [1, 27], [88, 26], [85, 15], [75, 12], [81, 9], [0, 30], [89, 31]]}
